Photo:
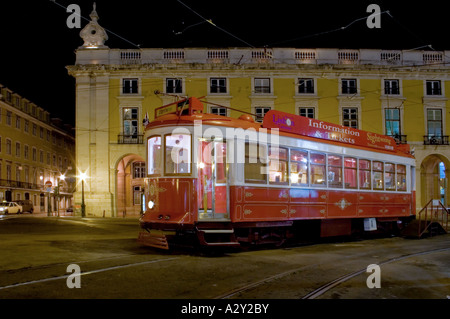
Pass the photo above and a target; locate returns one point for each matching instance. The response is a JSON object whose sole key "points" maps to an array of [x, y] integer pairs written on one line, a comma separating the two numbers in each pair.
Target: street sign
{"points": [[48, 186]]}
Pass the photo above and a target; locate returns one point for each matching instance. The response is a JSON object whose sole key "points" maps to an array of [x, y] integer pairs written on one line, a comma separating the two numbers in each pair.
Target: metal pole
{"points": [[58, 198], [83, 206], [49, 205]]}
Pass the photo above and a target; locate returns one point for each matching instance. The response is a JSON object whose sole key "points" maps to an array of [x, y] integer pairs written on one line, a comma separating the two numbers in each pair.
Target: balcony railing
{"points": [[17, 184], [32, 186], [435, 140], [270, 56], [399, 139], [131, 139]]}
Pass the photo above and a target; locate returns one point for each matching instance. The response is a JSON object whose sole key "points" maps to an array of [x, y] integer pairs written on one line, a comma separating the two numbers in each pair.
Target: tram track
{"points": [[90, 272], [330, 285], [327, 286]]}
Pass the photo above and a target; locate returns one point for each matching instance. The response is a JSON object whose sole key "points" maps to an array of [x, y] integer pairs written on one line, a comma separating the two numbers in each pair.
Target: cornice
{"points": [[32, 119], [248, 69]]}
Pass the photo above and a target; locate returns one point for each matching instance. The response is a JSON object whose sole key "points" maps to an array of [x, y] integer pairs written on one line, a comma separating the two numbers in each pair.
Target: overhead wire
{"points": [[214, 25], [327, 31]]}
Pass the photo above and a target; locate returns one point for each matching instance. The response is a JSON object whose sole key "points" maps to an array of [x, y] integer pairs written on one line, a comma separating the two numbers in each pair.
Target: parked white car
{"points": [[10, 208]]}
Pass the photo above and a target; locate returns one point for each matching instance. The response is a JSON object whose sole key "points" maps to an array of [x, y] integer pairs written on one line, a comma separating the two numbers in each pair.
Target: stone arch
{"points": [[432, 185], [129, 184]]}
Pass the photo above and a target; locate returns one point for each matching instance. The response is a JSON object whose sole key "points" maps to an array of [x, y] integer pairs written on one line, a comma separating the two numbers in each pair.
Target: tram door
{"points": [[212, 180]]}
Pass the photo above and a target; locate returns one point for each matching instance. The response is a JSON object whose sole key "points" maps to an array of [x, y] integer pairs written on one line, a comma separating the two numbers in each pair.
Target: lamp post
{"points": [[62, 177], [83, 205]]}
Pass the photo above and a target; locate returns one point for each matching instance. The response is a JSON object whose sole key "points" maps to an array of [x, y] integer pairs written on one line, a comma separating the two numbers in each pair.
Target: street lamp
{"points": [[62, 177], [83, 205]]}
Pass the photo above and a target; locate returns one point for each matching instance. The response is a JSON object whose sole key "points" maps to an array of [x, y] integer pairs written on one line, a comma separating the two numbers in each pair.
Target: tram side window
{"points": [[364, 174], [350, 171], [318, 169], [178, 155], [278, 165], [299, 167], [377, 175], [255, 163], [334, 171], [389, 176], [154, 156], [401, 177]]}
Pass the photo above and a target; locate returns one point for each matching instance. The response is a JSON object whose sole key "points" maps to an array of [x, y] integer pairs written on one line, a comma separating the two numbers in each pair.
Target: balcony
{"points": [[399, 139], [19, 185], [130, 139], [435, 140]]}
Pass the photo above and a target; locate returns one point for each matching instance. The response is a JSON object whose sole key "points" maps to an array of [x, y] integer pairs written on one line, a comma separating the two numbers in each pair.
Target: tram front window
{"points": [[178, 155], [154, 155]]}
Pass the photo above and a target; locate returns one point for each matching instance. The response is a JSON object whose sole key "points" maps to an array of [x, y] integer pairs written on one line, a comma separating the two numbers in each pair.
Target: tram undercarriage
{"points": [[237, 235]]}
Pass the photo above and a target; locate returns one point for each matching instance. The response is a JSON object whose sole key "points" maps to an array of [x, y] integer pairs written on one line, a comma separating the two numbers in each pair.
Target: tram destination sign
{"points": [[167, 109], [305, 126]]}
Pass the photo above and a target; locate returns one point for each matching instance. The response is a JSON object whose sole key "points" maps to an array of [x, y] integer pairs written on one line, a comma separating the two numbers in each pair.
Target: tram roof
{"points": [[247, 122]]}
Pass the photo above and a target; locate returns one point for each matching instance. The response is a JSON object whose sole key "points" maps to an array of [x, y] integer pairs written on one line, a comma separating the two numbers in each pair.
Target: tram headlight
{"points": [[151, 204]]}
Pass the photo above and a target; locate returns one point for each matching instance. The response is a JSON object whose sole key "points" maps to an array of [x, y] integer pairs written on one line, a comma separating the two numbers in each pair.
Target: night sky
{"points": [[36, 44]]}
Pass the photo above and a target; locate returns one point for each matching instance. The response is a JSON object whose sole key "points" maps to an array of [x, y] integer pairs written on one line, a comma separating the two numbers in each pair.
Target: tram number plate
{"points": [[370, 224]]}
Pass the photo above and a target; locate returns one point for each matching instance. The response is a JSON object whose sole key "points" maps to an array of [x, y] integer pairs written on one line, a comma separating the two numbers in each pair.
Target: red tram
{"points": [[218, 181]]}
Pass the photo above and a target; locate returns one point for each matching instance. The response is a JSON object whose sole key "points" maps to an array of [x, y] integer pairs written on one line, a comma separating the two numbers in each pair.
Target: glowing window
{"points": [[178, 155], [334, 171], [364, 174], [299, 167], [255, 163], [278, 165], [377, 175], [401, 177], [154, 156], [350, 172], [318, 169], [389, 176]]}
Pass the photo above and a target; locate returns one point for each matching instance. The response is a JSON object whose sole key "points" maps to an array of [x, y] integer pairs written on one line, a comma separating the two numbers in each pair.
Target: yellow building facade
{"points": [[403, 94], [34, 149]]}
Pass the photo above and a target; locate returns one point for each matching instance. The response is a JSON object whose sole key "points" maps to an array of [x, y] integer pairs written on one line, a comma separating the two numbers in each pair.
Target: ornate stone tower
{"points": [[93, 34], [92, 121]]}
